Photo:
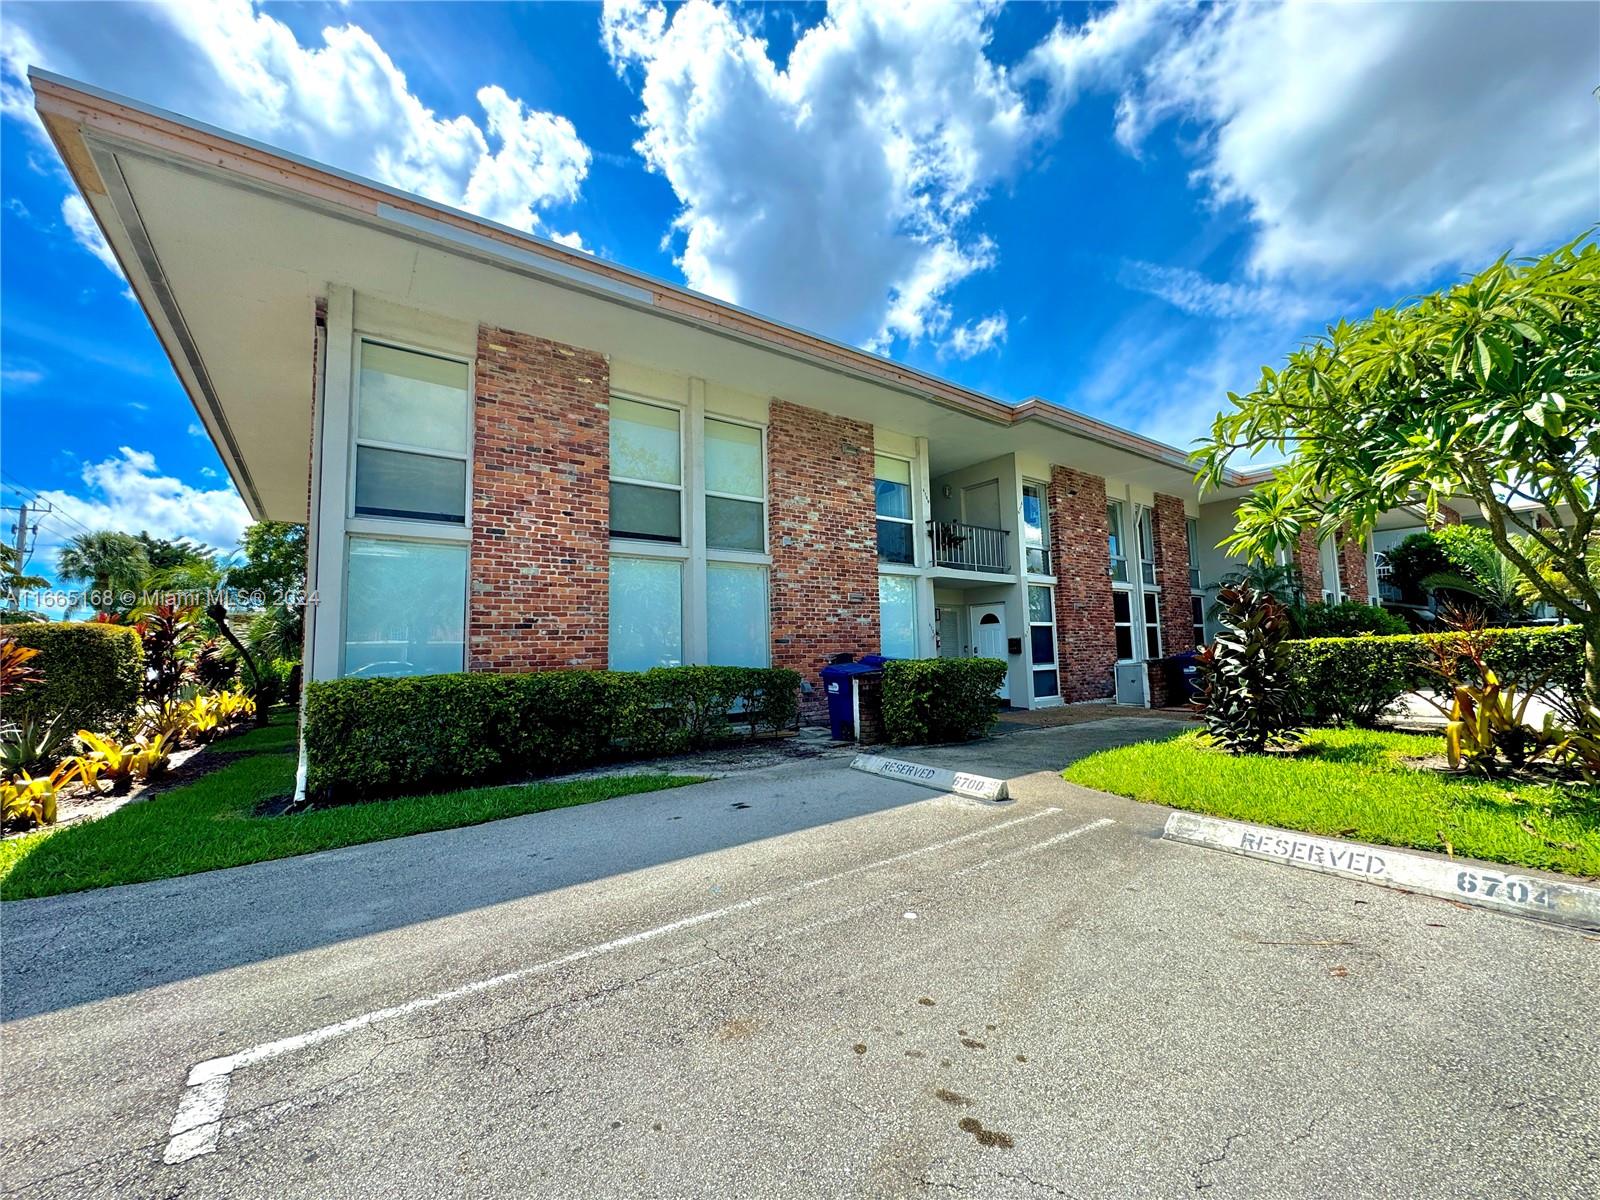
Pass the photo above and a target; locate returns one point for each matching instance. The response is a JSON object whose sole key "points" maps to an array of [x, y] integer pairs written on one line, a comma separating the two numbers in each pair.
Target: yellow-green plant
{"points": [[204, 714], [29, 800], [1486, 722], [166, 718], [113, 758], [234, 706], [1580, 745], [151, 756]]}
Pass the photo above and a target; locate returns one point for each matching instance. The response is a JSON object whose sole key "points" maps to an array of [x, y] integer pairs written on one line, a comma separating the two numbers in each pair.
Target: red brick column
{"points": [[538, 591], [1308, 557], [1171, 528], [1086, 646], [822, 528], [1447, 516], [1353, 569]]}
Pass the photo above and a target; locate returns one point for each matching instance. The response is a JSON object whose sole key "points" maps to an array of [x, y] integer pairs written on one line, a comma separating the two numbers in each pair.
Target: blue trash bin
{"points": [[1184, 677], [838, 683]]}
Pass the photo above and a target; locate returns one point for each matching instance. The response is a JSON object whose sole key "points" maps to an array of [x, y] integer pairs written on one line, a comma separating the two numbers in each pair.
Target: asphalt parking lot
{"points": [[800, 981]]}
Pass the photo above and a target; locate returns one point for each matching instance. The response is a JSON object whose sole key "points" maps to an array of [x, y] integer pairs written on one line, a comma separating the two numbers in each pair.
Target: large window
{"points": [[893, 488], [1147, 548], [897, 615], [411, 436], [1035, 528], [1042, 642], [646, 613], [736, 604], [646, 471], [1122, 623], [405, 607], [736, 487], [1116, 541]]}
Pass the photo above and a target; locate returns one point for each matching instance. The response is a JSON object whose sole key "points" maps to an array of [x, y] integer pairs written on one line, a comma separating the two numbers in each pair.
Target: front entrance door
{"points": [[989, 638]]}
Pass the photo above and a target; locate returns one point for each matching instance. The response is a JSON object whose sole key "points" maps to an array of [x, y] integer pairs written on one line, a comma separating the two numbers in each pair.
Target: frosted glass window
{"points": [[652, 513], [404, 607], [394, 483], [412, 399], [1039, 605], [646, 613], [897, 615], [736, 601], [733, 460], [645, 443], [735, 524]]}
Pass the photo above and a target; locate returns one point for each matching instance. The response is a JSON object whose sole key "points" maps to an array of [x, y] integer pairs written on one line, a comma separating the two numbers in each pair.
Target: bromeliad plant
{"points": [[28, 800], [106, 757], [1249, 704], [1486, 723]]}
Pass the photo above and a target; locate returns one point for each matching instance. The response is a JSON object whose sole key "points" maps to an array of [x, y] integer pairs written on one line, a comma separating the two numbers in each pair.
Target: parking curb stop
{"points": [[979, 787], [1473, 883]]}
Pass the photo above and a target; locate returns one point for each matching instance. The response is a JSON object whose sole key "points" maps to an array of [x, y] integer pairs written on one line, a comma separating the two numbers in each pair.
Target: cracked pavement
{"points": [[1108, 1015]]}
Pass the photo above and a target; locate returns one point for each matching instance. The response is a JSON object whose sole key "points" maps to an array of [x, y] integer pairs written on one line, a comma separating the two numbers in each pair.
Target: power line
{"points": [[34, 494]]}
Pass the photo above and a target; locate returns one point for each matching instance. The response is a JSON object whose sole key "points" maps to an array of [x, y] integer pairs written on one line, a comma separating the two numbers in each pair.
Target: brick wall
{"points": [[823, 533], [1170, 526], [1308, 557], [537, 598], [1353, 569], [1085, 644]]}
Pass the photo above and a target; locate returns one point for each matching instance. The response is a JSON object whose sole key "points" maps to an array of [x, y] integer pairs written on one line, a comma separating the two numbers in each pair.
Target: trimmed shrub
{"points": [[1353, 680], [940, 699], [93, 673], [1350, 618], [369, 738]]}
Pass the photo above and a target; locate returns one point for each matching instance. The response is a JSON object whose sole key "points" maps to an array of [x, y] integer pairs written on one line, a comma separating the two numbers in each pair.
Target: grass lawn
{"points": [[210, 822], [1350, 783]]}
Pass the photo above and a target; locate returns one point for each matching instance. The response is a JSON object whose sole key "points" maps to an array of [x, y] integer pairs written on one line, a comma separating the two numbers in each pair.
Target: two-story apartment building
{"points": [[516, 456]]}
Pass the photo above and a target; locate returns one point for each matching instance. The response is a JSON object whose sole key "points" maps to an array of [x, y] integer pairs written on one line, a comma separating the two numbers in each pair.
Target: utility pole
{"points": [[24, 538]]}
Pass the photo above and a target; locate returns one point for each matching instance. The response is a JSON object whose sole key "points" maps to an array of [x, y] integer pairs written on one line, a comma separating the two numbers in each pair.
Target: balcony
{"points": [[968, 547]]}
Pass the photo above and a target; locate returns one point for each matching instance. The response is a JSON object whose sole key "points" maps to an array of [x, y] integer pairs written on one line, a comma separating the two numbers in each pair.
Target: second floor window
{"points": [[1035, 529], [1193, 527], [892, 486], [646, 471], [411, 436], [1147, 548], [1114, 536], [736, 510]]}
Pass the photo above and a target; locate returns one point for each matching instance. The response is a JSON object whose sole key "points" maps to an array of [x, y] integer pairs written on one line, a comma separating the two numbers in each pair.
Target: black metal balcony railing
{"points": [[968, 547]]}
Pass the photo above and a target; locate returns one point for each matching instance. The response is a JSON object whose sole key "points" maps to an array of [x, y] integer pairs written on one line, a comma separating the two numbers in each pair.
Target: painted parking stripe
{"points": [[1487, 887], [197, 1126], [979, 787]]}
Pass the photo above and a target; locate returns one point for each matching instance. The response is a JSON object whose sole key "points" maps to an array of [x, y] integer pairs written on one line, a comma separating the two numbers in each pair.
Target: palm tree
{"points": [[1488, 575], [278, 631], [12, 579], [110, 563]]}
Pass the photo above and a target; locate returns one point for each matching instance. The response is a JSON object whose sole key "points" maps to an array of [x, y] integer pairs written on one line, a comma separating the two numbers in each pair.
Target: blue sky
{"points": [[1124, 208]]}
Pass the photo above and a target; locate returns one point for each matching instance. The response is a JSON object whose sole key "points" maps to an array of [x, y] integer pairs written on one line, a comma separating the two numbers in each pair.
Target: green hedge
{"points": [[368, 738], [1352, 680], [940, 699], [93, 673]]}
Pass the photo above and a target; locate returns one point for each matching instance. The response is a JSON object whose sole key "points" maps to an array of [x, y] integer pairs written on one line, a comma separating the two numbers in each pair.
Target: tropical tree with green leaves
{"points": [[109, 563], [1488, 390]]}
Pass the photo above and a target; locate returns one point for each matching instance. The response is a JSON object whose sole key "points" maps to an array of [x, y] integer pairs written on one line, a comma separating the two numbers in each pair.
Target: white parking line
{"points": [[198, 1123]]}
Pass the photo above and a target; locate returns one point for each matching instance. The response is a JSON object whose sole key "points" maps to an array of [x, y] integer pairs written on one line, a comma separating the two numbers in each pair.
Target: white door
{"points": [[989, 638], [980, 504]]}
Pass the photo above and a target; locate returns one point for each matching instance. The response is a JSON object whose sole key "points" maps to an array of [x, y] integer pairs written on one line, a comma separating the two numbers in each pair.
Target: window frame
{"points": [[351, 535], [911, 487], [1043, 490], [1144, 532], [1150, 619], [1192, 534], [387, 524], [1116, 529], [1130, 625], [1054, 665], [682, 541], [906, 579], [718, 553], [682, 563], [1197, 609]]}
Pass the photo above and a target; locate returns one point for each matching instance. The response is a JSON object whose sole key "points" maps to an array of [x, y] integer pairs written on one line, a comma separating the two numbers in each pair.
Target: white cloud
{"points": [[836, 191], [129, 493], [86, 233], [1194, 293], [344, 102], [965, 341], [1385, 142]]}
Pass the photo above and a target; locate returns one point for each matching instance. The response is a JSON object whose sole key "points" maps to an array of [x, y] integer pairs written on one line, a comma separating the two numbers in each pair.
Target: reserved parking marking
{"points": [[1488, 887], [198, 1124], [979, 787]]}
